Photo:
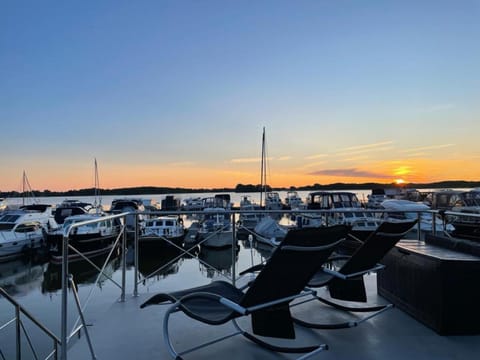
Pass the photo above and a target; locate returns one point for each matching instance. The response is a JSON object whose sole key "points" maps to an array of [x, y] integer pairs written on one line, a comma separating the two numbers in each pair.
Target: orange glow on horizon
{"points": [[226, 175]]}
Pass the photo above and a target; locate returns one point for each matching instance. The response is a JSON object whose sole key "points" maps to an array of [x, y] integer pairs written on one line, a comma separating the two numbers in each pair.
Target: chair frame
{"points": [[375, 310], [249, 302]]}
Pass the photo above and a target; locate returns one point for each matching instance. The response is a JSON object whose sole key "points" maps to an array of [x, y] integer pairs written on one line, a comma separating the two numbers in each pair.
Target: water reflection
{"points": [[217, 261], [159, 264], [82, 271], [22, 275]]}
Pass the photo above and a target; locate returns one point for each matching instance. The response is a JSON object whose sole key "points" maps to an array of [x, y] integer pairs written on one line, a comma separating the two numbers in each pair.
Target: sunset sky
{"points": [[176, 93]]}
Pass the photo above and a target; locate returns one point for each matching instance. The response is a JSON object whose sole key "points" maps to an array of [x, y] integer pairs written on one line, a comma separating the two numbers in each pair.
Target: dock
{"points": [[125, 331]]}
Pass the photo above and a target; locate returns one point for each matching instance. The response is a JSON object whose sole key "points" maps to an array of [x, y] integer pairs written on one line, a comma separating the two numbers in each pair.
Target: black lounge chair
{"points": [[347, 283], [266, 298]]}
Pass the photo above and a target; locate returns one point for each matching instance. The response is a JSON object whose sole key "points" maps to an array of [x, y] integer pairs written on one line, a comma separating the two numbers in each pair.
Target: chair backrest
{"points": [[376, 246], [293, 263]]}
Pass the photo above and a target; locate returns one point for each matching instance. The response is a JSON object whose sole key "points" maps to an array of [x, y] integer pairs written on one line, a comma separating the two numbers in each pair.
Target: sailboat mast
{"points": [[263, 176], [97, 187]]}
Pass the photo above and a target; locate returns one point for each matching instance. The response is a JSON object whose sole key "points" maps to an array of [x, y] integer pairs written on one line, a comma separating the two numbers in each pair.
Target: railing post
{"points": [[17, 332], [135, 257], [234, 247], [419, 231], [124, 259], [64, 295]]}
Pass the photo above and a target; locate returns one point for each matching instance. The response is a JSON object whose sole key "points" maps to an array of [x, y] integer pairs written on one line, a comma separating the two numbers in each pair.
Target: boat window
{"points": [[9, 218], [23, 228], [6, 227], [169, 223]]}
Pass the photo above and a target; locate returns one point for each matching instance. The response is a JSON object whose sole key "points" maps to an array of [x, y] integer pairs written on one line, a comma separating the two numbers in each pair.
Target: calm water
{"points": [[36, 284]]}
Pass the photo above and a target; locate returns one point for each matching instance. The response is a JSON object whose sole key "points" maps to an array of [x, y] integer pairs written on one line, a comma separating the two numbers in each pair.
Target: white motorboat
{"points": [[410, 210], [215, 228], [269, 231], [161, 231], [131, 205], [250, 215], [294, 201], [18, 234]]}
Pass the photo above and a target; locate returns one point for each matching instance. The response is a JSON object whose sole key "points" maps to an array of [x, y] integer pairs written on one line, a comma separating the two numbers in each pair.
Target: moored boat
{"points": [[91, 239], [162, 231]]}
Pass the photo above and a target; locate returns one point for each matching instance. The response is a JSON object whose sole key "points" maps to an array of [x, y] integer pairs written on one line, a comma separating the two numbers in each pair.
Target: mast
{"points": [[263, 172], [27, 190], [98, 201]]}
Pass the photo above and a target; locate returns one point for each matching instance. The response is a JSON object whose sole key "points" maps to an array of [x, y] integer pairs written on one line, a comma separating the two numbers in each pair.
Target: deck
{"points": [[125, 331]]}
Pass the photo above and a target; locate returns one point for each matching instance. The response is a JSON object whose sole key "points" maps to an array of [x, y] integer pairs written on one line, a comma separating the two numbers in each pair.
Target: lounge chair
{"points": [[347, 283], [266, 298]]}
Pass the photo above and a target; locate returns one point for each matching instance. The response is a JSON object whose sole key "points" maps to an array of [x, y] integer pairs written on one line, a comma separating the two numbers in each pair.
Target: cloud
{"points": [[317, 156], [368, 146], [355, 158], [423, 148], [183, 163], [284, 158], [350, 172], [437, 108], [246, 160]]}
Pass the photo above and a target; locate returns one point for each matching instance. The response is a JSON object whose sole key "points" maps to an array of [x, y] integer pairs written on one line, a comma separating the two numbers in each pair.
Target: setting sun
{"points": [[399, 181]]}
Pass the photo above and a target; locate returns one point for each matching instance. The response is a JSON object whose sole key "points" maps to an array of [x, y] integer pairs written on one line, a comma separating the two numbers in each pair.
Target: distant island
{"points": [[244, 188]]}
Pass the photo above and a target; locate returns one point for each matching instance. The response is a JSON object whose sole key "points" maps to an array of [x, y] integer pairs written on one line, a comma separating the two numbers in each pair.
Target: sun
{"points": [[399, 181]]}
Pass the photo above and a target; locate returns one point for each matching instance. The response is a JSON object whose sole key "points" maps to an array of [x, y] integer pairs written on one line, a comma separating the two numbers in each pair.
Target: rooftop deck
{"points": [[127, 332]]}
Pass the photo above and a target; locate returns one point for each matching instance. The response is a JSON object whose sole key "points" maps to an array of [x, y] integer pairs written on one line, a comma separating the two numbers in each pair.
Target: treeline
{"points": [[243, 188]]}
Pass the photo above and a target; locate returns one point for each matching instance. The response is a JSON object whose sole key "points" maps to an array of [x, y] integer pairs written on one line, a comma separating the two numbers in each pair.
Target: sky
{"points": [[176, 93]]}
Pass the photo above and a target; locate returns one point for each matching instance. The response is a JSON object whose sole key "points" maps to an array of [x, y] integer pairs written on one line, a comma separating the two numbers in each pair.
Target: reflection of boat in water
{"points": [[158, 265], [82, 271], [217, 261], [22, 275]]}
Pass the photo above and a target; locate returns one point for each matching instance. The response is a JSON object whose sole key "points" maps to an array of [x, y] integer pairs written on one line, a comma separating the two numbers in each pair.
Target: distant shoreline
{"points": [[241, 188]]}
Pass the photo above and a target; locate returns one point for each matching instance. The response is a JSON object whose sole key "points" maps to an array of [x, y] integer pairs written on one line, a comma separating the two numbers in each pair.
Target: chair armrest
{"points": [[214, 297], [348, 276], [254, 268]]}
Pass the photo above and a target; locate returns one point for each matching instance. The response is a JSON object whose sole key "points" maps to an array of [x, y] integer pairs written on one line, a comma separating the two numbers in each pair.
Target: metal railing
{"points": [[68, 279], [19, 328], [121, 242]]}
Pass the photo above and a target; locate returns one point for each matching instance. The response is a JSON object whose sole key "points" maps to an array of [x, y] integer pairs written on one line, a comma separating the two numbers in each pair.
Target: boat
{"points": [[19, 233], [250, 215], [293, 201], [170, 203], [468, 202], [3, 204], [161, 231], [92, 239], [409, 210], [192, 204], [270, 231], [215, 228], [131, 205], [340, 207], [378, 195]]}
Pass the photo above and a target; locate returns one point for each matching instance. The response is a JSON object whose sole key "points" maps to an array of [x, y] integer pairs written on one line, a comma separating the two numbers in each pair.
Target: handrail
{"points": [[19, 309], [66, 278]]}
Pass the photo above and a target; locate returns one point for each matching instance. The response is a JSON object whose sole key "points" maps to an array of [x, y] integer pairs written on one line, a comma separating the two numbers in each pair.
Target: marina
{"points": [[118, 327]]}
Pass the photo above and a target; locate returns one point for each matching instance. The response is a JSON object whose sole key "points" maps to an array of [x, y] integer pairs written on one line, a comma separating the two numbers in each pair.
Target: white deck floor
{"points": [[127, 332]]}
